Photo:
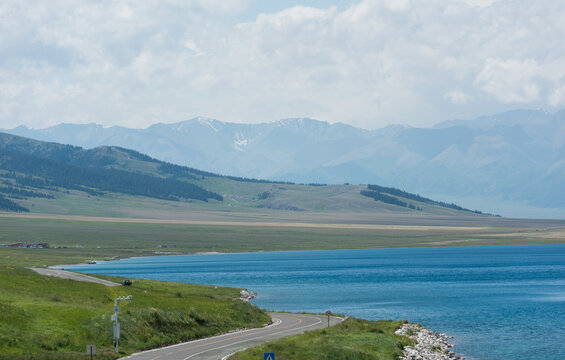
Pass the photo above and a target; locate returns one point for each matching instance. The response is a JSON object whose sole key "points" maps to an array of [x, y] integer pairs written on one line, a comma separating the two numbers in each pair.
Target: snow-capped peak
{"points": [[207, 122], [239, 142]]}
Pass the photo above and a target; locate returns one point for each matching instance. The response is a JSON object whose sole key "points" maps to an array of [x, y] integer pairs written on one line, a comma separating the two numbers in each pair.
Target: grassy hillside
{"points": [[42, 177], [49, 318], [352, 339]]}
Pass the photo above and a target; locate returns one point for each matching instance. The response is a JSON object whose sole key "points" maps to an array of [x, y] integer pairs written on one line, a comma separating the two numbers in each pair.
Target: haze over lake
{"points": [[499, 302]]}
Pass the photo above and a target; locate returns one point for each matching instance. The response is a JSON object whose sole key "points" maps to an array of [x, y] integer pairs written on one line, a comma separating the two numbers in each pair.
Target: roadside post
{"points": [[115, 318], [90, 349], [328, 314]]}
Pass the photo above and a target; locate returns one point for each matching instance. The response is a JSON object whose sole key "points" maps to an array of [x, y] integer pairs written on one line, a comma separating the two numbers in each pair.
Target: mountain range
{"points": [[511, 163], [51, 178]]}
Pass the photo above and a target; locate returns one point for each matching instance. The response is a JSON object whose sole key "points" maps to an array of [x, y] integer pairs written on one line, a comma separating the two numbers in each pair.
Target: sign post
{"points": [[115, 318], [91, 349], [328, 314]]}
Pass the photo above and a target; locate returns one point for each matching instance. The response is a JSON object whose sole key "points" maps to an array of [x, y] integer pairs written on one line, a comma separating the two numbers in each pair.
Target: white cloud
{"points": [[510, 80], [457, 97], [190, 45], [397, 5], [369, 64], [557, 96], [480, 3]]}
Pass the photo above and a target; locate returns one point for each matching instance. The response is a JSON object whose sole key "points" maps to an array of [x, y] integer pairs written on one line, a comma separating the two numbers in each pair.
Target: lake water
{"points": [[499, 302]]}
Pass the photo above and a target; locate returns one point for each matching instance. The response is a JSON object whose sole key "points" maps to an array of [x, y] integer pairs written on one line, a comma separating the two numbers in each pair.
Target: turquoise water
{"points": [[499, 302]]}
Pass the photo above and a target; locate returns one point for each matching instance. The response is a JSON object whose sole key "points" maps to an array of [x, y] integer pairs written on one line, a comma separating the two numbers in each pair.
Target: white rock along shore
{"points": [[247, 295], [430, 346]]}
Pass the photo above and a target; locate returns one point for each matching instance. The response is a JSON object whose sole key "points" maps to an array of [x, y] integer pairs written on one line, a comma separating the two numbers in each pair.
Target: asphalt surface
{"points": [[64, 274], [219, 347]]}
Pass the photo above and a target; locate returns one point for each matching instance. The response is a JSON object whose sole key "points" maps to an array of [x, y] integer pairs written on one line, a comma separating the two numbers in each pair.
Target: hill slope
{"points": [[512, 162], [62, 179]]}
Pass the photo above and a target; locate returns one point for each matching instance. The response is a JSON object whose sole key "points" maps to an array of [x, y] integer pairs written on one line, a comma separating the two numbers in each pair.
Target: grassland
{"points": [[49, 318], [239, 197], [93, 239], [352, 339]]}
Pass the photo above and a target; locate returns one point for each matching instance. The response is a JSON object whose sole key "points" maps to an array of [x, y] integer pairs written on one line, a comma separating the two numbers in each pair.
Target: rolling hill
{"points": [[510, 163], [51, 178]]}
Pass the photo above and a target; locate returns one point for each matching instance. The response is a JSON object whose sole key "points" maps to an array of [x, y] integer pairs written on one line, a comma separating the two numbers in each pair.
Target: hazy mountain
{"points": [[511, 163], [47, 177]]}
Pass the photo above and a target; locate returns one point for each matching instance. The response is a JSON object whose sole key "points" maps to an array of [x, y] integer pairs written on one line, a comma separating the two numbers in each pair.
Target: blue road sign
{"points": [[269, 356]]}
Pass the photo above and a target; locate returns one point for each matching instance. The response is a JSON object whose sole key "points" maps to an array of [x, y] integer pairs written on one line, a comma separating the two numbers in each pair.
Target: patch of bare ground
{"points": [[544, 234], [249, 223]]}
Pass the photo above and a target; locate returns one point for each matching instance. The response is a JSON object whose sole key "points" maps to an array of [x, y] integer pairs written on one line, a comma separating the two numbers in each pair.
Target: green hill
{"points": [[50, 318], [51, 178]]}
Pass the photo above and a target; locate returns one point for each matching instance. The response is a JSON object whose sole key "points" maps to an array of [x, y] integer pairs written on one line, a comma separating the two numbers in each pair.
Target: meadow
{"points": [[352, 339], [74, 241], [43, 317]]}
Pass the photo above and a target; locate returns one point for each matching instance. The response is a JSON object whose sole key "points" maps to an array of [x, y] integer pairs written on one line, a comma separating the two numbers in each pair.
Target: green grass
{"points": [[354, 339], [107, 240], [50, 318], [318, 199]]}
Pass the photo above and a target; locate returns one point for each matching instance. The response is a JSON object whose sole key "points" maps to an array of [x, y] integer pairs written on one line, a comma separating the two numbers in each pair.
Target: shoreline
{"points": [[430, 344], [157, 254]]}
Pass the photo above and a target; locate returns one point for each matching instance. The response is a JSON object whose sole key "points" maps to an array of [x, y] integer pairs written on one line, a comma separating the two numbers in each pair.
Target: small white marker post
{"points": [[115, 318], [91, 349], [328, 314]]}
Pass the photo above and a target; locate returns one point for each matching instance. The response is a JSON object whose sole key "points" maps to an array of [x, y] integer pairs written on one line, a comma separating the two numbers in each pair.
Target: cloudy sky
{"points": [[367, 63]]}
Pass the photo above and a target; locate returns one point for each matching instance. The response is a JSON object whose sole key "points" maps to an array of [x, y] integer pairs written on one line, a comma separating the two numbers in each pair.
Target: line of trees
{"points": [[44, 173], [178, 171], [16, 191], [264, 195], [9, 205], [378, 196], [406, 195]]}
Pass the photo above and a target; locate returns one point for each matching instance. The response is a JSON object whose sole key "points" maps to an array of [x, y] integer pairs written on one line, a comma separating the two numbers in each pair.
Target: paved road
{"points": [[64, 274], [218, 347]]}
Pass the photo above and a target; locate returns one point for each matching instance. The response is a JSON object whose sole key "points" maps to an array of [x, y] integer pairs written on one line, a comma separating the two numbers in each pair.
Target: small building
{"points": [[31, 245]]}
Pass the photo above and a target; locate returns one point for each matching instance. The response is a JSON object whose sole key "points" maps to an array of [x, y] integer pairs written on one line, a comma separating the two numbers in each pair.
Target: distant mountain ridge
{"points": [[506, 160], [48, 177]]}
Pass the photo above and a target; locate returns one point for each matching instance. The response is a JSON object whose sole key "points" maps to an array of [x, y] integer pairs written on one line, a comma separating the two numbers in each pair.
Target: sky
{"points": [[366, 63]]}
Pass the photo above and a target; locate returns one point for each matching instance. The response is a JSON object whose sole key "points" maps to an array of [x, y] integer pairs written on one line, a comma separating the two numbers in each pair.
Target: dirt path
{"points": [[64, 274]]}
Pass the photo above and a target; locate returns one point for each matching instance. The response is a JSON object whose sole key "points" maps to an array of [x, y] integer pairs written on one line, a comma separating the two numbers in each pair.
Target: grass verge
{"points": [[49, 318], [353, 339]]}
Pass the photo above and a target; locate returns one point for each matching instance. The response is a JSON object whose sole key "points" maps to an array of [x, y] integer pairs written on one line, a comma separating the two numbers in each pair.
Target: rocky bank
{"points": [[430, 346], [247, 295]]}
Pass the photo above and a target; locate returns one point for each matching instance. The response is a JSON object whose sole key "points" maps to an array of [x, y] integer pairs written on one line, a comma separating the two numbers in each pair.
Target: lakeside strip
{"points": [[430, 345], [242, 223]]}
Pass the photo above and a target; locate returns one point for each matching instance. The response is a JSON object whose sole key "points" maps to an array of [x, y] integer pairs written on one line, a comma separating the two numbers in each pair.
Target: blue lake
{"points": [[499, 302]]}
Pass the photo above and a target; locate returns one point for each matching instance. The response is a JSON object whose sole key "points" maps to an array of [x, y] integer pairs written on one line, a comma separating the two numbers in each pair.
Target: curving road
{"points": [[64, 274], [218, 347]]}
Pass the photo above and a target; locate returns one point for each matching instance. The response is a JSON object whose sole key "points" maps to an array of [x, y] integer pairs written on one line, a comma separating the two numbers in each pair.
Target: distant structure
{"points": [[31, 246]]}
